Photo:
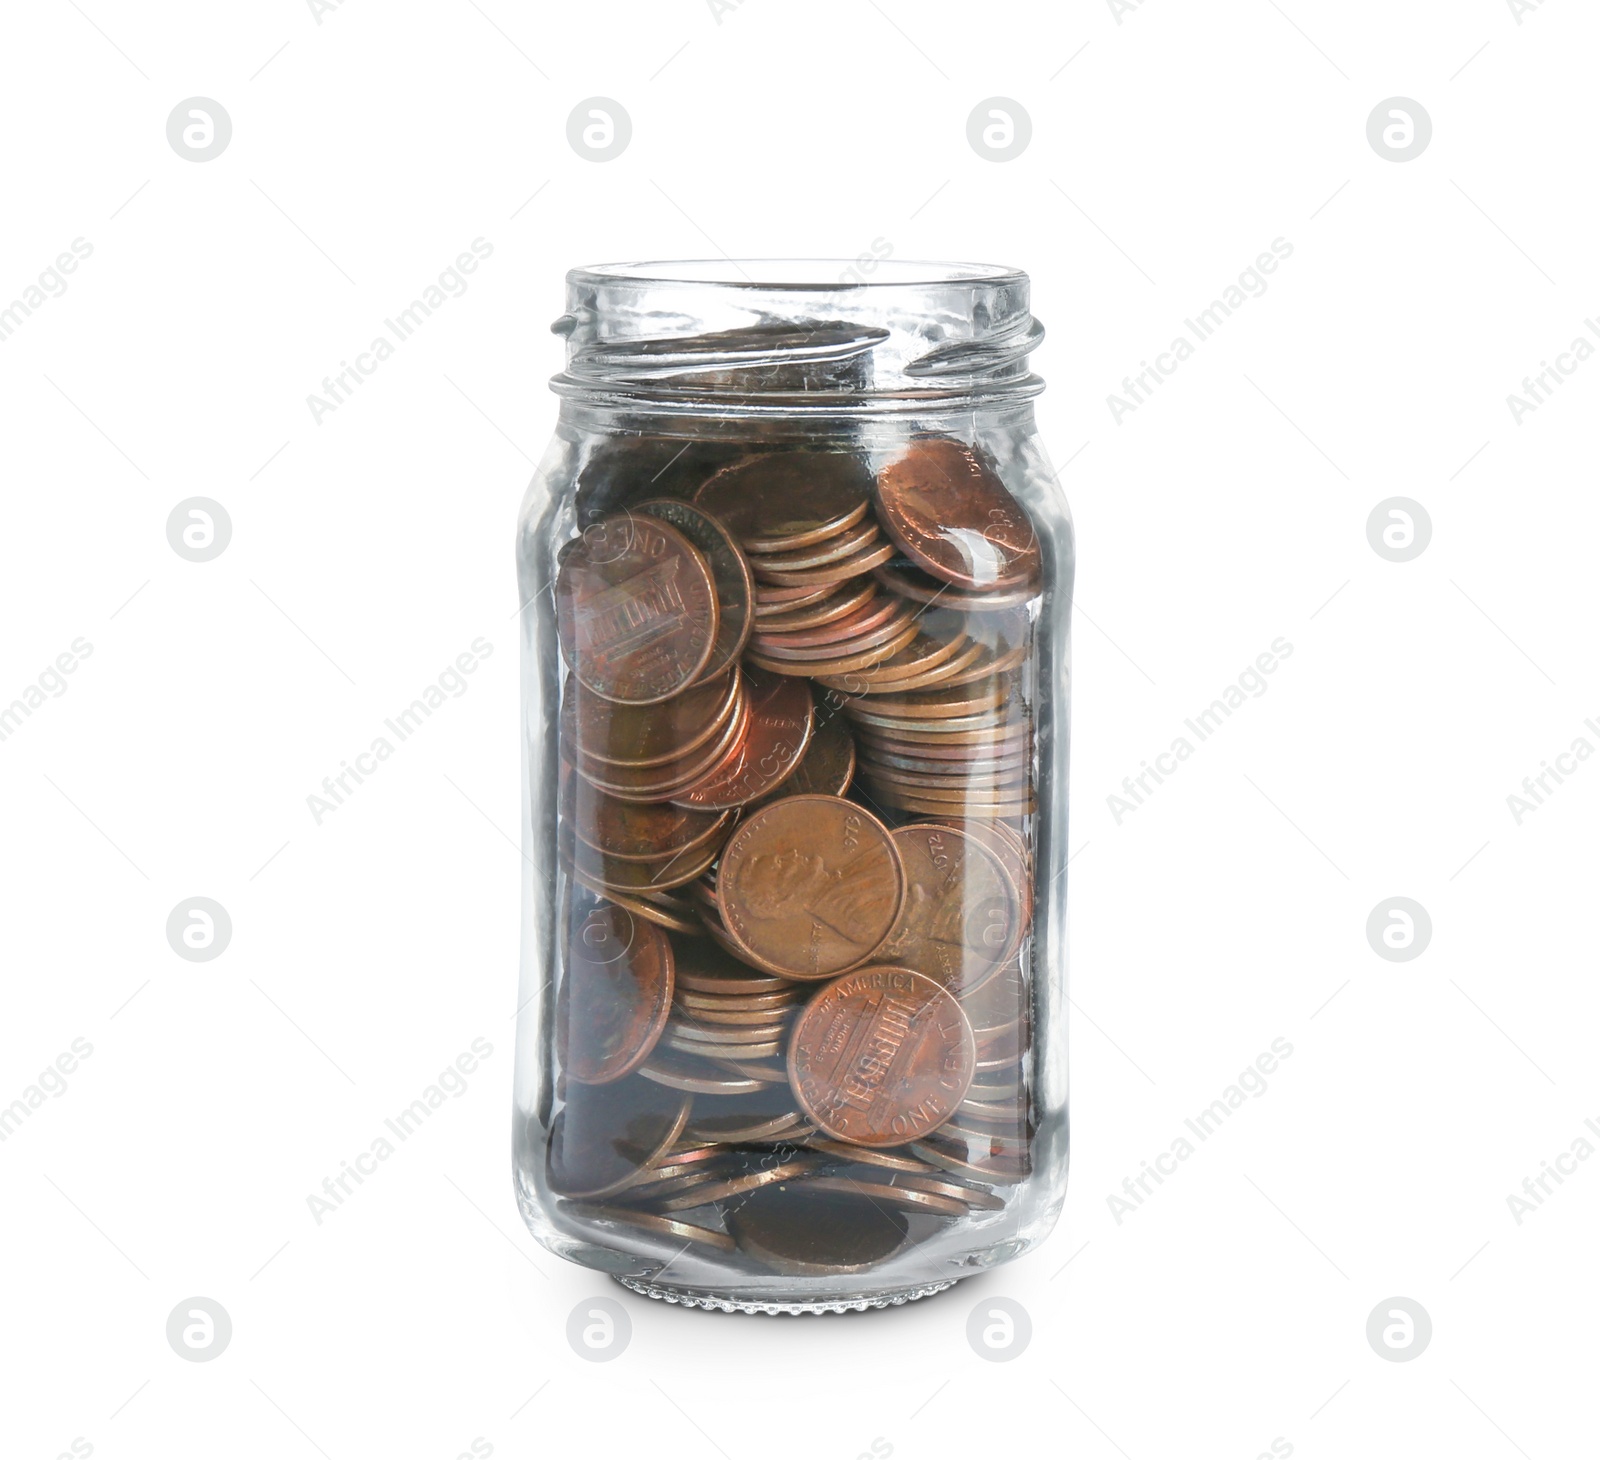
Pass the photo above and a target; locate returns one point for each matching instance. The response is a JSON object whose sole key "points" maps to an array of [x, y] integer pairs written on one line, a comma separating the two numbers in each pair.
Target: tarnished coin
{"points": [[809, 886], [780, 728], [789, 500], [947, 508], [616, 995], [960, 914], [881, 1056], [640, 736], [676, 1232], [736, 588], [636, 609], [796, 1229], [605, 1134]]}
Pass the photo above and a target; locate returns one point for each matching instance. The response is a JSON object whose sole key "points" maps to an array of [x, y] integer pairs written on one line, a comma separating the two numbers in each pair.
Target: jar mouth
{"points": [[864, 335], [795, 274]]}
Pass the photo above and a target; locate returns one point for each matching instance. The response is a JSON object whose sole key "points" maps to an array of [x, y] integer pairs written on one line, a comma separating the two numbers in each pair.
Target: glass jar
{"points": [[796, 577]]}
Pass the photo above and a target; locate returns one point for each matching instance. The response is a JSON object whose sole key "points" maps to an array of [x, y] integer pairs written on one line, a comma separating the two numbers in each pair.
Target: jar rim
{"points": [[789, 274]]}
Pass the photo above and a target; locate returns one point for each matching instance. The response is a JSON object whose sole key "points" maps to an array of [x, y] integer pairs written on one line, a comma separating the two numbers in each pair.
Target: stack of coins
{"points": [[792, 1020]]}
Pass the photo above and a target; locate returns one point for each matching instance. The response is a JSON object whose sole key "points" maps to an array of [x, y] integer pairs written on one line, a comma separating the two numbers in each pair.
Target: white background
{"points": [[1169, 148]]}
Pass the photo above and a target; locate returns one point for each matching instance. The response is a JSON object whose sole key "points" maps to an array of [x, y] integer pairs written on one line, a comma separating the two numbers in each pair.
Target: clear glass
{"points": [[791, 1030]]}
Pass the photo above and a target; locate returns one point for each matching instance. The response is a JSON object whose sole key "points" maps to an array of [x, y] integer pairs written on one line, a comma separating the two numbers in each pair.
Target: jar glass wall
{"points": [[796, 578]]}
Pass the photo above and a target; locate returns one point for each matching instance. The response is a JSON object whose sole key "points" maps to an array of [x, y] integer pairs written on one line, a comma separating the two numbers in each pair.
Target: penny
{"points": [[948, 703], [767, 1072], [1000, 1005], [605, 1134], [911, 582], [740, 1185], [976, 1197], [754, 1117], [864, 561], [636, 877], [829, 763], [780, 728], [640, 831], [733, 1036], [953, 760], [771, 600], [639, 736], [960, 912], [707, 970], [930, 803], [845, 662], [736, 588], [652, 912], [873, 628], [799, 1229], [809, 886], [881, 1056], [865, 1155], [666, 1227], [688, 1074], [636, 610], [943, 771], [731, 1018], [829, 550], [876, 610], [1000, 737], [954, 1160], [788, 500], [906, 1197], [947, 508], [835, 603], [745, 1003], [616, 995], [657, 783], [1013, 855], [941, 779]]}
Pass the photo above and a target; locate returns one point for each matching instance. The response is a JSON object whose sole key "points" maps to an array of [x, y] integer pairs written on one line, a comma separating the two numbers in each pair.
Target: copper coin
{"points": [[844, 663], [978, 1198], [829, 550], [965, 804], [881, 1057], [875, 610], [834, 604], [768, 1072], [911, 582], [944, 772], [905, 1197], [752, 1117], [697, 1077], [988, 783], [701, 1017], [740, 1185], [706, 969], [640, 831], [947, 508], [960, 913], [665, 1227], [739, 1003], [637, 878], [605, 1134], [771, 600], [1013, 855], [1005, 735], [829, 763], [636, 609], [797, 1229], [658, 783], [780, 728], [842, 571], [663, 916], [954, 1159], [788, 500], [616, 995], [952, 702], [999, 1006], [873, 629], [736, 588], [889, 1160], [809, 886], [639, 736]]}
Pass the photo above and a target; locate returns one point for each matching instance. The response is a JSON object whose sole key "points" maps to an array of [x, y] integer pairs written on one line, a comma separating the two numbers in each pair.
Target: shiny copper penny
{"points": [[616, 995], [788, 500], [904, 630], [636, 610], [829, 763], [829, 550], [948, 703], [911, 582], [771, 600], [875, 611], [640, 736], [780, 729], [800, 1229], [947, 508], [872, 628], [736, 588], [999, 1007], [836, 603], [960, 914], [636, 831], [809, 886], [881, 1056], [606, 1134], [841, 571], [658, 783]]}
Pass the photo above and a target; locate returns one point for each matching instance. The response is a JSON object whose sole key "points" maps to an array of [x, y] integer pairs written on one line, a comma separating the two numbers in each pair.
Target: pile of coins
{"points": [[793, 1016]]}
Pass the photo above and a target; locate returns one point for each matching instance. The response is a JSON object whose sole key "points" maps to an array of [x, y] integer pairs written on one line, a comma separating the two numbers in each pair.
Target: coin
{"points": [[636, 610], [637, 877], [905, 1197], [663, 916], [798, 1229], [874, 611], [835, 603], [829, 763], [753, 1117], [979, 1198], [640, 736], [872, 556], [640, 831], [881, 1056], [780, 728], [809, 886], [736, 588], [911, 582], [706, 969], [829, 550], [685, 1072], [657, 783], [889, 1160], [605, 1134], [666, 1227], [960, 911], [844, 663], [740, 1185], [953, 1158], [788, 500], [616, 995], [946, 507]]}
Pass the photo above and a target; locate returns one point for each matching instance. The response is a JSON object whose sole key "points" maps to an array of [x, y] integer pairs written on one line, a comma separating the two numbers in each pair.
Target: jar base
{"points": [[721, 1302]]}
